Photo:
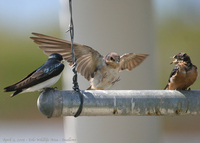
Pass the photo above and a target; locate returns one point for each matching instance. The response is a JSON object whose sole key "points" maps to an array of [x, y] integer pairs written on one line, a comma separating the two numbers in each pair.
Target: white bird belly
{"points": [[104, 81], [44, 84]]}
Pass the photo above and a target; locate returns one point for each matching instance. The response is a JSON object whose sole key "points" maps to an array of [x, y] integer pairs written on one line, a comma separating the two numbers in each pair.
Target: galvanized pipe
{"points": [[54, 103]]}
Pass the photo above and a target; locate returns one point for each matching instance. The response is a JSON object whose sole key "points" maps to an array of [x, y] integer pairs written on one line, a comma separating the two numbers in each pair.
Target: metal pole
{"points": [[54, 103]]}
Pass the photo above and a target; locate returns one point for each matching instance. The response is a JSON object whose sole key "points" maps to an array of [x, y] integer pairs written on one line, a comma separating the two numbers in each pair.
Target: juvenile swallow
{"points": [[99, 70], [43, 77], [184, 73]]}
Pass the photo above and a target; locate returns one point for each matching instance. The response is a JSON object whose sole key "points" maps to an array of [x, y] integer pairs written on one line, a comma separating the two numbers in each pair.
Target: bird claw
{"points": [[181, 89], [105, 75], [50, 88], [116, 80]]}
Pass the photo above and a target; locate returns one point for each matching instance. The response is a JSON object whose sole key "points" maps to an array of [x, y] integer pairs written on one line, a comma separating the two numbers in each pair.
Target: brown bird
{"points": [[184, 73], [99, 70]]}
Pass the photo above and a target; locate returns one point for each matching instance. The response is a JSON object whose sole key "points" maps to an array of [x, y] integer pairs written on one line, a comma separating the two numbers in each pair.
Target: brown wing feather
{"points": [[129, 61], [85, 55]]}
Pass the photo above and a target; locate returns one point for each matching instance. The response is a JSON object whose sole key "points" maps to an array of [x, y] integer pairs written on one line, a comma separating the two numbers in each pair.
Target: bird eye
{"points": [[112, 59]]}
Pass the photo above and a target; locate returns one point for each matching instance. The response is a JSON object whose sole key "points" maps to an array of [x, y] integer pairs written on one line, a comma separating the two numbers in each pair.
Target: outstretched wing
{"points": [[129, 61], [88, 59]]}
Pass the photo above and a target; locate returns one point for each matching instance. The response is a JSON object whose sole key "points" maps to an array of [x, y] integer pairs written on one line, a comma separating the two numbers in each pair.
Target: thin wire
{"points": [[76, 86]]}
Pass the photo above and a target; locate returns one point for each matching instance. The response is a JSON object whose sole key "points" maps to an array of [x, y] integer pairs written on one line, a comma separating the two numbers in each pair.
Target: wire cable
{"points": [[76, 86]]}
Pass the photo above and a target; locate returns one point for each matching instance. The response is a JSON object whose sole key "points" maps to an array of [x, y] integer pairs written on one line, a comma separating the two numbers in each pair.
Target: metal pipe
{"points": [[54, 103]]}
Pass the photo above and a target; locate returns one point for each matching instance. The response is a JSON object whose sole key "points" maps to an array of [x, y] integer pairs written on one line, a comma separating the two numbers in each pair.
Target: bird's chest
{"points": [[103, 78], [191, 76], [180, 76], [184, 78]]}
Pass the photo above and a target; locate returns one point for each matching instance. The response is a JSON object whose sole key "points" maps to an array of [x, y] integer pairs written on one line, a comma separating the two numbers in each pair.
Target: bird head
{"points": [[112, 59], [181, 57], [56, 56]]}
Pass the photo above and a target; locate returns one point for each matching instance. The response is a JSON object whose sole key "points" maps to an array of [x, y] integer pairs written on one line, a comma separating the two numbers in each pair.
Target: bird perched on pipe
{"points": [[43, 77], [100, 70], [184, 73]]}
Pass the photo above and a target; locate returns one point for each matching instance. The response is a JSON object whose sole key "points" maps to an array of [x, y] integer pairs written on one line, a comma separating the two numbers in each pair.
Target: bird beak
{"points": [[174, 62], [117, 61]]}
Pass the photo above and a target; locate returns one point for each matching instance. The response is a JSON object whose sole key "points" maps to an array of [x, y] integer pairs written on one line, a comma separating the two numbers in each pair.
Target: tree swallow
{"points": [[100, 70], [43, 77]]}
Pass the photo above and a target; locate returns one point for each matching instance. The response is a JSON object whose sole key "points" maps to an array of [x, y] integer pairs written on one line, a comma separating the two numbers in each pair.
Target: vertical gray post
{"points": [[121, 27]]}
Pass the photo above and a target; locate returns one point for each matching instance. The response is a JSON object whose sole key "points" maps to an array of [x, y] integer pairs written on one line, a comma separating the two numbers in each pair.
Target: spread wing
{"points": [[129, 61], [88, 59]]}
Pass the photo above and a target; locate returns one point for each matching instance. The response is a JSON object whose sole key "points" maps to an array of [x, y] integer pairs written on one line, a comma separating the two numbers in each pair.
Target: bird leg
{"points": [[104, 76], [116, 80], [49, 88]]}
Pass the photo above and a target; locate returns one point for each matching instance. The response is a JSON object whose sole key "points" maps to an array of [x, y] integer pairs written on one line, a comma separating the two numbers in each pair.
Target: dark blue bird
{"points": [[43, 77]]}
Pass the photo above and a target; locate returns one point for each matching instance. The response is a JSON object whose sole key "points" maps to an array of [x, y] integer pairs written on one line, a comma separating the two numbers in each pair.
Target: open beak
{"points": [[174, 62]]}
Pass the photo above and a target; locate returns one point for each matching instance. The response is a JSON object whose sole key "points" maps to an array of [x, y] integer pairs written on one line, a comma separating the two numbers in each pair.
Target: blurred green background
{"points": [[177, 30], [19, 55], [173, 37]]}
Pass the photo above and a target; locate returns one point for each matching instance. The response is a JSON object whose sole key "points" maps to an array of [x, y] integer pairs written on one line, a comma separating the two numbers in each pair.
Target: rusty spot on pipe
{"points": [[115, 112], [178, 111]]}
